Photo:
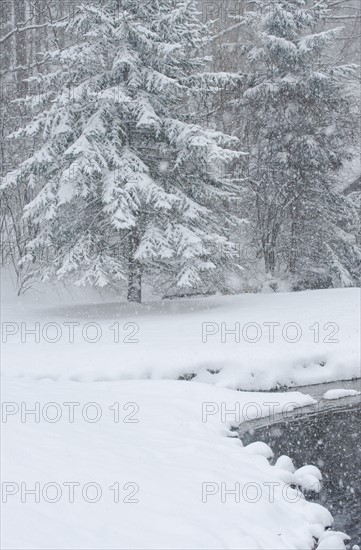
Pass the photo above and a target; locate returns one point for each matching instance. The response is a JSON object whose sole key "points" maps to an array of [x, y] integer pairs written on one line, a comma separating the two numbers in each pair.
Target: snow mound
{"points": [[285, 463], [259, 448], [309, 469], [308, 478], [332, 540], [337, 394]]}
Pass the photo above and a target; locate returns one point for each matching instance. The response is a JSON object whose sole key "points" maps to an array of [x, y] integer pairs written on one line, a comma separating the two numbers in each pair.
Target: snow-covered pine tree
{"points": [[296, 115], [124, 181]]}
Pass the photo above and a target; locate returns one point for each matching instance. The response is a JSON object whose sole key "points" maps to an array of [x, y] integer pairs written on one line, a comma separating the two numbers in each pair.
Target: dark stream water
{"points": [[331, 441]]}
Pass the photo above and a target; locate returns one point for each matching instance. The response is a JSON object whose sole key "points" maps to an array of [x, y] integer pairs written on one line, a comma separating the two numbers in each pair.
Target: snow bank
{"points": [[251, 342], [337, 394], [161, 448], [333, 540]]}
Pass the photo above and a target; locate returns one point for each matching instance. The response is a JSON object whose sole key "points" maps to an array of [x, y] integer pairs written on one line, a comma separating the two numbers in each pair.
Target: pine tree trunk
{"points": [[293, 248], [135, 284], [269, 256], [21, 47], [269, 261], [135, 271]]}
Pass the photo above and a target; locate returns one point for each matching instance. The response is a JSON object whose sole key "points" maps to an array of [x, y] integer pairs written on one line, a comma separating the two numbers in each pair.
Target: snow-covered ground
{"points": [[277, 340], [178, 463], [121, 454]]}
